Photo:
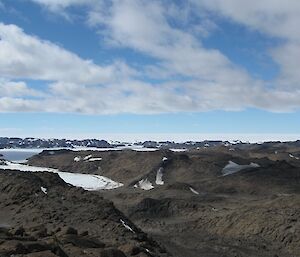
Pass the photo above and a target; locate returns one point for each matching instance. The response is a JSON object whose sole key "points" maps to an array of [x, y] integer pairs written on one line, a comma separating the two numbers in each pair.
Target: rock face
{"points": [[197, 211], [65, 222]]}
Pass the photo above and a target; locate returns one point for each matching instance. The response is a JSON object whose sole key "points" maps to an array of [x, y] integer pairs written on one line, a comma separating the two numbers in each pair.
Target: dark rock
{"points": [[82, 242], [68, 231], [12, 247], [35, 246], [18, 232], [84, 233], [112, 253], [41, 254], [38, 231], [130, 249]]}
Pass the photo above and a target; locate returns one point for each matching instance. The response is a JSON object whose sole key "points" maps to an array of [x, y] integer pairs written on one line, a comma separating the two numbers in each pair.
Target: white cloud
{"points": [[26, 56], [275, 18], [16, 89], [127, 96], [288, 57], [199, 79], [60, 5], [13, 104], [143, 26]]}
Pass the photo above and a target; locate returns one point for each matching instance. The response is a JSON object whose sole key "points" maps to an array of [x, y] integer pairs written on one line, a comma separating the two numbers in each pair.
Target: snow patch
{"points": [[86, 181], [235, 142], [144, 184], [89, 182], [95, 159], [87, 157], [77, 159], [159, 175], [126, 226], [178, 149], [44, 190], [194, 191], [233, 167], [293, 156]]}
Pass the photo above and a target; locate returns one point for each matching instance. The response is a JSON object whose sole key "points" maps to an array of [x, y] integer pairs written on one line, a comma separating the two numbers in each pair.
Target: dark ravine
{"points": [[197, 211]]}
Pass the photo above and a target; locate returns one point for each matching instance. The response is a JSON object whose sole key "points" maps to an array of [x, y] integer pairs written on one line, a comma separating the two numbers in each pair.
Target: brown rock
{"points": [[112, 252], [84, 233], [35, 246], [81, 242], [142, 255], [38, 231], [12, 247], [41, 254], [130, 249], [68, 231], [18, 231]]}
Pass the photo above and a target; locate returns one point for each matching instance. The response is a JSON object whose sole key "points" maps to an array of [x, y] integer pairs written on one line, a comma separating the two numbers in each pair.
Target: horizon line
{"points": [[173, 137]]}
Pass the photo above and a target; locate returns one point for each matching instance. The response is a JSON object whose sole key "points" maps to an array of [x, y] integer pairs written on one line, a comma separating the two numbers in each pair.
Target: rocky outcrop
{"points": [[194, 210], [41, 215]]}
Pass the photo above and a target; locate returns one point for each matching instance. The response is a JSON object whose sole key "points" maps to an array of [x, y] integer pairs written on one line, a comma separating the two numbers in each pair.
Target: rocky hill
{"points": [[212, 201], [41, 215]]}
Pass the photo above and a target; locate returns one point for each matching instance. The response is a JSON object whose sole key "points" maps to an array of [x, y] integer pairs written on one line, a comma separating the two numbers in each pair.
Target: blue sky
{"points": [[74, 68]]}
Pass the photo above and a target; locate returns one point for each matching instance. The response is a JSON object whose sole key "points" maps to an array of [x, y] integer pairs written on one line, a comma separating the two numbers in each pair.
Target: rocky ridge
{"points": [[197, 210], [41, 215]]}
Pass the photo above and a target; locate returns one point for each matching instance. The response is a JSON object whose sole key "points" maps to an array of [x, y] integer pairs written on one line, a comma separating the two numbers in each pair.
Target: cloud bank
{"points": [[191, 77]]}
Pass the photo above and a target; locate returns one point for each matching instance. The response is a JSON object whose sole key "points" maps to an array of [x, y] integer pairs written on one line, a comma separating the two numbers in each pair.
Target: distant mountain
{"points": [[27, 143], [6, 142], [14, 142]]}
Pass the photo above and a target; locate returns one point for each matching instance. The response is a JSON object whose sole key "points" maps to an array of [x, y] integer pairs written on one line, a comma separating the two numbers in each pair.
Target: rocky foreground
{"points": [[43, 216], [211, 202]]}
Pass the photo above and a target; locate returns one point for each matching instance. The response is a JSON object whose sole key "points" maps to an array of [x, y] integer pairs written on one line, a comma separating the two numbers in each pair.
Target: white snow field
{"points": [[194, 191], [126, 226], [86, 158], [144, 184], [178, 150], [95, 159], [77, 159], [44, 190], [159, 176], [293, 156], [233, 167], [86, 181]]}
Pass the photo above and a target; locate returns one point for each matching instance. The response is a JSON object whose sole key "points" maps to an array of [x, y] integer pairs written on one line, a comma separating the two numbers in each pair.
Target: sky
{"points": [[180, 69]]}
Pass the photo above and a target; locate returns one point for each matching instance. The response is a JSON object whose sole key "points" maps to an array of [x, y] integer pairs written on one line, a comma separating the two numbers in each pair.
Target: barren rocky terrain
{"points": [[43, 216], [210, 201]]}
